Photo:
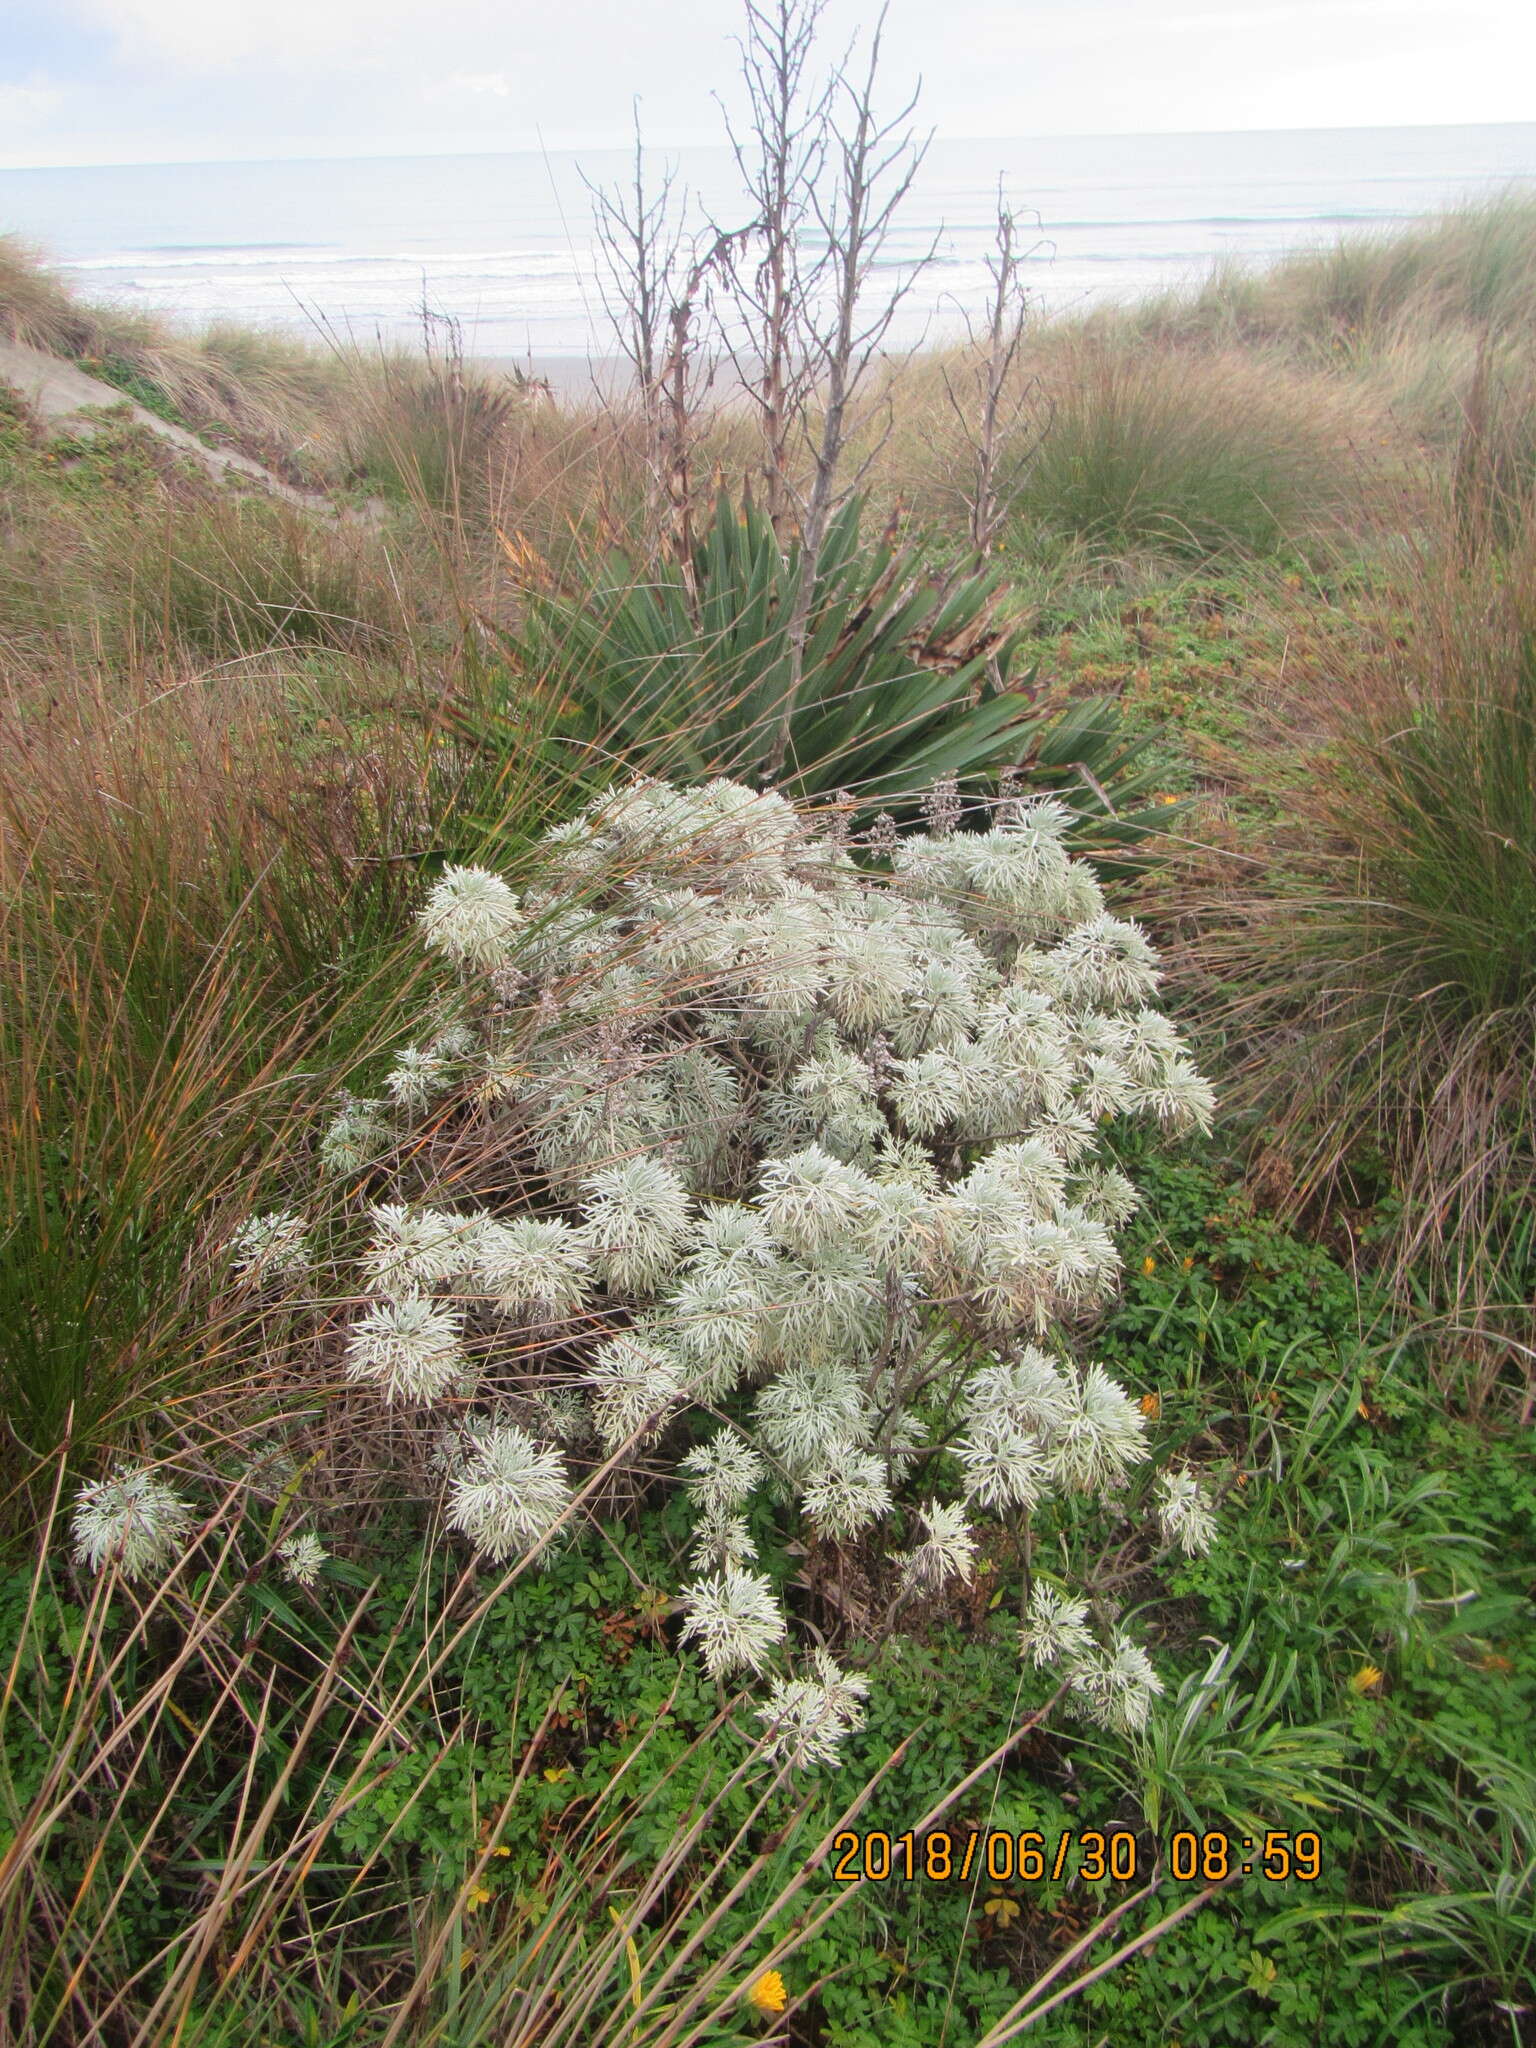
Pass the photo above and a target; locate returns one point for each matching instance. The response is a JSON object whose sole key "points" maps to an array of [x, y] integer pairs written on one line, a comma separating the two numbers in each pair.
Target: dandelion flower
{"points": [[767, 1993]]}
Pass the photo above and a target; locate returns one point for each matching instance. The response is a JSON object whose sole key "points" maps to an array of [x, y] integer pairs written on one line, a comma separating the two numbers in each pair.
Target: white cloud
{"points": [[30, 106], [230, 78], [408, 35], [493, 83], [1323, 12], [289, 34]]}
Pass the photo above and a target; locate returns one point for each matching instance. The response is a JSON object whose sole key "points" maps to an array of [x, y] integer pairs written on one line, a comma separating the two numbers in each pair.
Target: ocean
{"points": [[504, 244]]}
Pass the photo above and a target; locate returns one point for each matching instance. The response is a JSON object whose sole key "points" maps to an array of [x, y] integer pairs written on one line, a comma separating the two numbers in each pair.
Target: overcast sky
{"points": [[149, 81]]}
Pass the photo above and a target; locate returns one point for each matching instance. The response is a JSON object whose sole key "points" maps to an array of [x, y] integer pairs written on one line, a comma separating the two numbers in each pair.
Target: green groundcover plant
{"points": [[481, 1792]]}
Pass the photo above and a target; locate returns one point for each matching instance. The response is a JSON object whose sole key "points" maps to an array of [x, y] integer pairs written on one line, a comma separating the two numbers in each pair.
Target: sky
{"points": [[160, 81]]}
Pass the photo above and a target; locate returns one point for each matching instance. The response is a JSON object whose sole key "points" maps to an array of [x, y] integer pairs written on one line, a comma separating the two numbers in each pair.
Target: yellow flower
{"points": [[1365, 1680], [1151, 1405], [1149, 1265], [1189, 1262], [479, 1895], [767, 1992], [1003, 1911], [554, 1776]]}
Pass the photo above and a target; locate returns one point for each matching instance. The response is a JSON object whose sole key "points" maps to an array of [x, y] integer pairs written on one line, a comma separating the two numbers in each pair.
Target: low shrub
{"points": [[718, 1107]]}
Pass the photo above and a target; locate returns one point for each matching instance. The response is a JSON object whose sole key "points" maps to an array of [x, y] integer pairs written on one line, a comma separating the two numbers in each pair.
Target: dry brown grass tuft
{"points": [[1128, 446], [206, 880], [35, 305], [1471, 268], [1368, 944]]}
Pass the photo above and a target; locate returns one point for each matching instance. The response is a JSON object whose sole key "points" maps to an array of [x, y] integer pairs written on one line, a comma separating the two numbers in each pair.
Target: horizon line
{"points": [[538, 149]]}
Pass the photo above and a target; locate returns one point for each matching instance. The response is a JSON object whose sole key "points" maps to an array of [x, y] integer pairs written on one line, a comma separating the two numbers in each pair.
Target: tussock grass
{"points": [[36, 306], [264, 393], [1125, 449], [1472, 267], [174, 905], [1136, 453], [430, 432], [116, 549], [1378, 941], [232, 577], [207, 881]]}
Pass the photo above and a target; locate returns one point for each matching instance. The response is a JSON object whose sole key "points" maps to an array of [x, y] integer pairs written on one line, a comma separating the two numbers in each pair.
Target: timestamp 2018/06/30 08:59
{"points": [[1030, 1857]]}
